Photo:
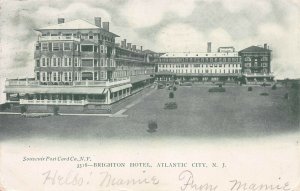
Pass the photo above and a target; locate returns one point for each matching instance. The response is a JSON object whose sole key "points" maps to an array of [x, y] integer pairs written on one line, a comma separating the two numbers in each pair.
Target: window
{"points": [[43, 62], [75, 62], [55, 46], [70, 62], [87, 62], [67, 46], [69, 76], [58, 61], [54, 62], [48, 61], [37, 63], [43, 74], [102, 49], [91, 37], [76, 76], [65, 62], [264, 58], [95, 63], [247, 59], [87, 76], [44, 46], [102, 62], [65, 74], [37, 76], [87, 48], [54, 76], [264, 64], [247, 64]]}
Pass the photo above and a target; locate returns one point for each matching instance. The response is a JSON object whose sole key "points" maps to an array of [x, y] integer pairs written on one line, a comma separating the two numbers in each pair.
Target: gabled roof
{"points": [[78, 24], [75, 24], [255, 49], [148, 51]]}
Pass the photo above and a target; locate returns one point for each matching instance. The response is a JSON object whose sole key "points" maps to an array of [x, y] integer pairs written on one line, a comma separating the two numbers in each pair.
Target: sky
{"points": [[159, 25]]}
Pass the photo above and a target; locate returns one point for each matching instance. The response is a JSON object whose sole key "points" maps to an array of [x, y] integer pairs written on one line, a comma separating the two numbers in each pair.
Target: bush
{"points": [[4, 106], [174, 88], [286, 96], [216, 89], [23, 109], [170, 105], [160, 86], [152, 126], [264, 94], [171, 95], [55, 110], [249, 89], [274, 87], [220, 85], [186, 84]]}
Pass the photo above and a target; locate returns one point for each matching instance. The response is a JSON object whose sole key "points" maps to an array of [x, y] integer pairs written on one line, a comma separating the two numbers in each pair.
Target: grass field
{"points": [[234, 113]]}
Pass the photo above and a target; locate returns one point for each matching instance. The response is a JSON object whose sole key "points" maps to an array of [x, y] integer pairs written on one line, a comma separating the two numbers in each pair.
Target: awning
{"points": [[55, 90], [138, 78], [118, 88]]}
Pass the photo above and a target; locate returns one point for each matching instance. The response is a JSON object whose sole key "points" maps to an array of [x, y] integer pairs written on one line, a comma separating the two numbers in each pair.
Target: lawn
{"points": [[234, 113]]}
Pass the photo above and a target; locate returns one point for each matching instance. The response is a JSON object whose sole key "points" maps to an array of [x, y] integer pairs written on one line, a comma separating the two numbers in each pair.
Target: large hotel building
{"points": [[78, 63], [250, 65], [79, 67]]}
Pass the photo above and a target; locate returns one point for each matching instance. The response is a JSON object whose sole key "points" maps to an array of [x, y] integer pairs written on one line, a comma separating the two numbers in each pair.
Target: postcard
{"points": [[149, 95]]}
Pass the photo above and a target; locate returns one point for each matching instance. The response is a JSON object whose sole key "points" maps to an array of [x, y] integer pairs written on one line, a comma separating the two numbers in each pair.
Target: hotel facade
{"points": [[78, 64], [251, 65]]}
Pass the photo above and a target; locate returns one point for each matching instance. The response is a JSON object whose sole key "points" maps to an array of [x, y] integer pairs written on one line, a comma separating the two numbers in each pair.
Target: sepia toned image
{"points": [[150, 95]]}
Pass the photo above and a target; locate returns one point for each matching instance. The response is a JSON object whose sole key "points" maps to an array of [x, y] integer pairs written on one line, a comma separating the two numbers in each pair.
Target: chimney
{"points": [[265, 46], [129, 46], [98, 21], [134, 47], [141, 48], [209, 47], [106, 26], [60, 20], [123, 43]]}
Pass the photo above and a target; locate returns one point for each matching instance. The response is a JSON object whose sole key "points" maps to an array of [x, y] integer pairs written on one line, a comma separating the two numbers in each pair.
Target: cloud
{"points": [[179, 37], [145, 13]]}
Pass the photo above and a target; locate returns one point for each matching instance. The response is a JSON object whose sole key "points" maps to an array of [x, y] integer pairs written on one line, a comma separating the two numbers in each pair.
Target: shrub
{"points": [[264, 94], [4, 106], [160, 86], [216, 89], [171, 95], [186, 84], [274, 87], [174, 88], [55, 110], [152, 126], [23, 109], [170, 105], [220, 85], [249, 89]]}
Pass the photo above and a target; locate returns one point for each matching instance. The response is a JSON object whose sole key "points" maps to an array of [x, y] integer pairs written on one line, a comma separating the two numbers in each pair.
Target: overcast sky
{"points": [[160, 25]]}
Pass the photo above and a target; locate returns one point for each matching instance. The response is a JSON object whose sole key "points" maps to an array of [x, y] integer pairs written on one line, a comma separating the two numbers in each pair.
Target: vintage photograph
{"points": [[195, 83]]}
